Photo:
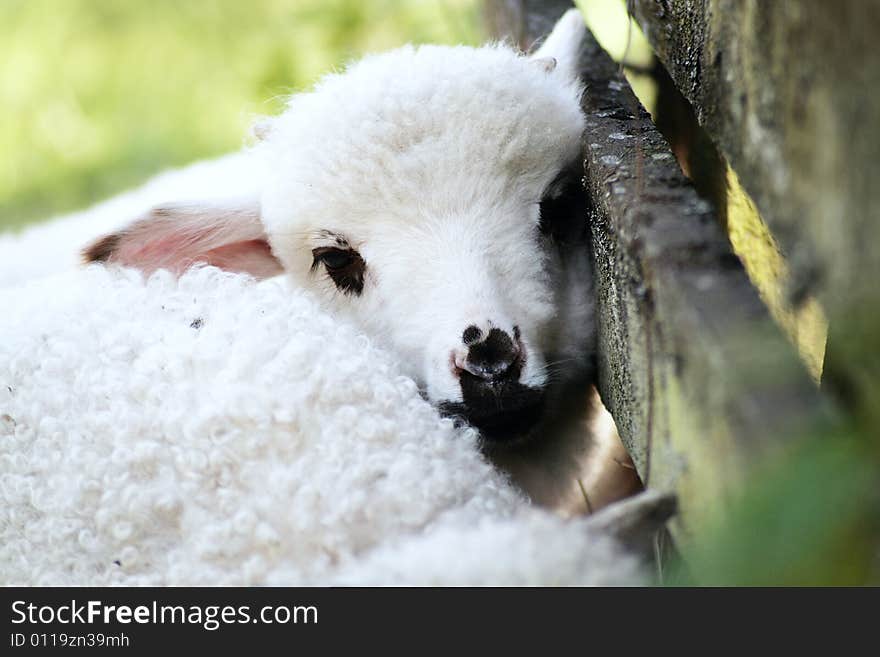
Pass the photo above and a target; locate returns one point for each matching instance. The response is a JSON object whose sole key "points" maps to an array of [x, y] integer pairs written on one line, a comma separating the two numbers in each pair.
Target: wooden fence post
{"points": [[700, 381], [788, 91]]}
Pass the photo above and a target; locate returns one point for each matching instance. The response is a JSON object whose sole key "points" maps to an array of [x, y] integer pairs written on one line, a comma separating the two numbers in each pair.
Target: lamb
{"points": [[425, 194], [164, 423]]}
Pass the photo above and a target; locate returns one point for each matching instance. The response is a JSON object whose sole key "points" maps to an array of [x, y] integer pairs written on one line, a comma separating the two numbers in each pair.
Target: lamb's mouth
{"points": [[504, 415]]}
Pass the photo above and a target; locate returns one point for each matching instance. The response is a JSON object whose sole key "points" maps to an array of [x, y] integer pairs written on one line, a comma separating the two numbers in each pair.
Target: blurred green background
{"points": [[99, 94]]}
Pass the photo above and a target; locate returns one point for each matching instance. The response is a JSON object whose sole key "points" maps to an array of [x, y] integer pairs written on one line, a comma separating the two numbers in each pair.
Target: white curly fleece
{"points": [[214, 430]]}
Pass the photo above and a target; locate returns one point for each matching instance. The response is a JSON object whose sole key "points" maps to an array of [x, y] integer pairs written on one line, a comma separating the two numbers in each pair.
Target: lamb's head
{"points": [[407, 193]]}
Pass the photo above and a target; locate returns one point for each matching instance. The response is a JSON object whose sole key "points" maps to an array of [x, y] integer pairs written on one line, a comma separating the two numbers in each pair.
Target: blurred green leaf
{"points": [[810, 517]]}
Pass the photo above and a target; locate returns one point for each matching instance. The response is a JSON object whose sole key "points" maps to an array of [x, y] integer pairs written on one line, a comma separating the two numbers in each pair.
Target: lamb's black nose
{"points": [[493, 399], [496, 357]]}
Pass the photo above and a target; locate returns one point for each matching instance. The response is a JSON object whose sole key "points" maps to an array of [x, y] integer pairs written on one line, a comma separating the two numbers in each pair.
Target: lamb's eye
{"points": [[345, 266], [335, 258]]}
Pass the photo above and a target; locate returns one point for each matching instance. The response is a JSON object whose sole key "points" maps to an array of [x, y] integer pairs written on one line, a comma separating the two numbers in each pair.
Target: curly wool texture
{"points": [[213, 430]]}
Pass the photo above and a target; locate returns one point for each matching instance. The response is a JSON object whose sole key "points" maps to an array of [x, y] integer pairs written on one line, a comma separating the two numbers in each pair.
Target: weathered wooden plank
{"points": [[700, 381], [788, 92]]}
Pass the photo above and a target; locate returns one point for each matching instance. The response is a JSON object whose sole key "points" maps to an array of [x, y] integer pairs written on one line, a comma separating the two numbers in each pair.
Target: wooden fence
{"points": [[703, 384]]}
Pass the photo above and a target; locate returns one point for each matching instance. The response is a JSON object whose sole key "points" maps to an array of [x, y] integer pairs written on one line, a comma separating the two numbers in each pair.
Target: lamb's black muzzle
{"points": [[493, 399], [503, 411]]}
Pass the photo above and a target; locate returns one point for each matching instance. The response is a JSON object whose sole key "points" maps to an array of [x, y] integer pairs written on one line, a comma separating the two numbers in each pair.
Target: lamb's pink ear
{"points": [[175, 237]]}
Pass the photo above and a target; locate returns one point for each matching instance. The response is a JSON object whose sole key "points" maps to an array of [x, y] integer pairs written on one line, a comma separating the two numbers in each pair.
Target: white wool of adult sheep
{"points": [[213, 429]]}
